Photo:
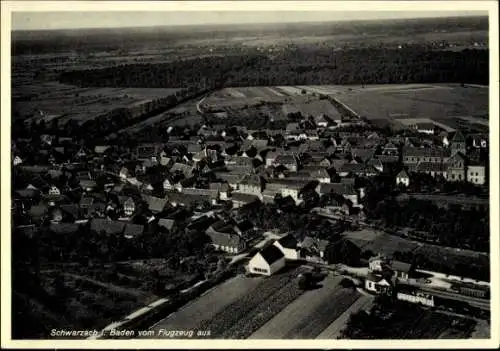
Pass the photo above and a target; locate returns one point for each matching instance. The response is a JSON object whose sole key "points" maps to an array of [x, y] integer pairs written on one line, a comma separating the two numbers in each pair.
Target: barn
{"points": [[288, 246], [267, 262]]}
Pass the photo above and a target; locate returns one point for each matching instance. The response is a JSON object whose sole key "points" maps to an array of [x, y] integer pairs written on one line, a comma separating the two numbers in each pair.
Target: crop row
{"points": [[262, 313], [242, 307], [324, 315]]}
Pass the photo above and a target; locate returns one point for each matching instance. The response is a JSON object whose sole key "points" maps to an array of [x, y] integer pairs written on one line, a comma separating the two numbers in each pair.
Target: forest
{"points": [[300, 66]]}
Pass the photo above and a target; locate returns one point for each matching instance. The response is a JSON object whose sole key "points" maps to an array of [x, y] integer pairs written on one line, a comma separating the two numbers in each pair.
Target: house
{"points": [[292, 188], [413, 155], [425, 128], [88, 185], [321, 121], [476, 173], [288, 161], [133, 230], [456, 168], [377, 264], [376, 163], [401, 270], [54, 191], [272, 155], [411, 294], [240, 199], [167, 223], [313, 248], [181, 168], [403, 178], [223, 190], [230, 178], [359, 169], [390, 149], [81, 153], [129, 207], [321, 175], [458, 143], [433, 169], [378, 285], [155, 204], [86, 206], [288, 246], [107, 226], [344, 189], [362, 154], [17, 160], [267, 262], [225, 238], [124, 173], [238, 164], [251, 184], [101, 149], [168, 183]]}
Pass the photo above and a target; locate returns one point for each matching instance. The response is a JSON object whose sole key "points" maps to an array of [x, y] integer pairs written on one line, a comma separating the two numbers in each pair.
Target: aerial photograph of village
{"points": [[200, 176]]}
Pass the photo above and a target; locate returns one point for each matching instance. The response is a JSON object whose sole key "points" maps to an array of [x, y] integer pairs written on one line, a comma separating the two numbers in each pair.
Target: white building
{"points": [[267, 262], [476, 174], [17, 160], [403, 178], [416, 297], [288, 246]]}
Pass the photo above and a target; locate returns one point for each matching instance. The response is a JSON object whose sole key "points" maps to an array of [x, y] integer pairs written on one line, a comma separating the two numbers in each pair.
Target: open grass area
{"points": [[445, 103]]}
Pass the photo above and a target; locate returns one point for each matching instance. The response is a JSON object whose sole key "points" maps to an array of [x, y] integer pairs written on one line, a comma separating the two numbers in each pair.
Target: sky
{"points": [[108, 19]]}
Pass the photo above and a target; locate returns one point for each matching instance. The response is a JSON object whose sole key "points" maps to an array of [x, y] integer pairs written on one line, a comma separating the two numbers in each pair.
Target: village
{"points": [[230, 187]]}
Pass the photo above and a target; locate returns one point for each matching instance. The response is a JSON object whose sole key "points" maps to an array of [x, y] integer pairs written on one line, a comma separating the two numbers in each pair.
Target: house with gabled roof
{"points": [[225, 238], [344, 189], [251, 184], [456, 167], [288, 245], [155, 204], [288, 161], [458, 143], [241, 199], [313, 249], [267, 262]]}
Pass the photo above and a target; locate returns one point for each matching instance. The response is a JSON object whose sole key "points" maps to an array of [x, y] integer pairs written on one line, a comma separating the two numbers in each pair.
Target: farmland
{"points": [[51, 101], [93, 297], [266, 307], [450, 105]]}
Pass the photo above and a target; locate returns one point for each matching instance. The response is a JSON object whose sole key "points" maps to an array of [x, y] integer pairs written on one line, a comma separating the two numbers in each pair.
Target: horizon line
{"points": [[247, 23]]}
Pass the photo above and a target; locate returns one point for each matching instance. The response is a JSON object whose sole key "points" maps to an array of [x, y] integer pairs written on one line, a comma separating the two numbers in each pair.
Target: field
{"points": [[267, 307], [273, 102], [450, 106], [87, 298], [52, 100]]}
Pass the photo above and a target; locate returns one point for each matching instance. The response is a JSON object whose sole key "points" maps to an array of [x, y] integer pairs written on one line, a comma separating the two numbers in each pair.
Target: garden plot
{"points": [[310, 313], [209, 304]]}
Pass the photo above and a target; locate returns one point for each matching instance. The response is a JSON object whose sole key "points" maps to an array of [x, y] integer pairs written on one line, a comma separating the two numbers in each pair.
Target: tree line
{"points": [[302, 66]]}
